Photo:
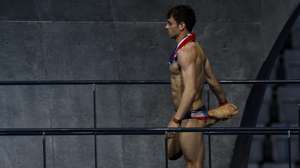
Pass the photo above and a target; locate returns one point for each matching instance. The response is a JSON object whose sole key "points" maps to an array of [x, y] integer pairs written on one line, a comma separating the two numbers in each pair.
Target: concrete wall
{"points": [[115, 40], [271, 26]]}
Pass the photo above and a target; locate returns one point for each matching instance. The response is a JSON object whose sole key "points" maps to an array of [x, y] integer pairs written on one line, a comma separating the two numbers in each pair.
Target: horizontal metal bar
{"points": [[136, 82], [144, 131], [84, 82], [295, 81]]}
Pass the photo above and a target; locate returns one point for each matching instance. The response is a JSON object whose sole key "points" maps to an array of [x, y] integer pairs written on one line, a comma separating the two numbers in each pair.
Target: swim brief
{"points": [[200, 114]]}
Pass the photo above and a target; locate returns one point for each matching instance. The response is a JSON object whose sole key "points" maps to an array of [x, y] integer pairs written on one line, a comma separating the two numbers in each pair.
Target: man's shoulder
{"points": [[187, 53], [189, 48]]}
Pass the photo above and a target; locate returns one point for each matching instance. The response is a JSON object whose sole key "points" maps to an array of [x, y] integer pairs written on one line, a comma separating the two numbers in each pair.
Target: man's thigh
{"points": [[191, 143]]}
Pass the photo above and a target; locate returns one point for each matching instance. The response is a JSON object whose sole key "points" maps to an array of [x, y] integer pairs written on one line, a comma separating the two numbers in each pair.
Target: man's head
{"points": [[181, 19]]}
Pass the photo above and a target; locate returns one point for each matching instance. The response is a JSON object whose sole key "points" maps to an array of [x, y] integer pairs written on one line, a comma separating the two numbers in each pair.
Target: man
{"points": [[189, 69]]}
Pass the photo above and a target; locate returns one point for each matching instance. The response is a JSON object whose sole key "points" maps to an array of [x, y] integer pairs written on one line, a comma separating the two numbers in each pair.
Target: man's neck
{"points": [[181, 36]]}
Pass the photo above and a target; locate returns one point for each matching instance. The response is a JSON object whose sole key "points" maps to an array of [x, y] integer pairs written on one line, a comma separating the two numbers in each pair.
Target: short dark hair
{"points": [[183, 13]]}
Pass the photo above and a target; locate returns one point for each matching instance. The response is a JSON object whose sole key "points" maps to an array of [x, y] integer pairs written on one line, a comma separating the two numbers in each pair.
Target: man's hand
{"points": [[172, 124]]}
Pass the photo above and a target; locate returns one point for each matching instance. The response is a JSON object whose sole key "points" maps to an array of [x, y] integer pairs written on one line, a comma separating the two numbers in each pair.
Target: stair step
{"points": [[295, 37], [297, 23], [288, 113], [292, 55], [288, 98], [289, 93], [276, 165], [280, 125], [292, 64], [293, 71], [253, 165], [280, 148], [287, 103]]}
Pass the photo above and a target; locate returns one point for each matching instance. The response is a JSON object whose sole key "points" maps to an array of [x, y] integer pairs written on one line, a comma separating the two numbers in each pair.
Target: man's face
{"points": [[172, 28]]}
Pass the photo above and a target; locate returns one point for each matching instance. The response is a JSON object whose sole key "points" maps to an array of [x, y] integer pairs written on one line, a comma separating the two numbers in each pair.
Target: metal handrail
{"points": [[136, 131], [137, 82], [147, 131], [44, 132]]}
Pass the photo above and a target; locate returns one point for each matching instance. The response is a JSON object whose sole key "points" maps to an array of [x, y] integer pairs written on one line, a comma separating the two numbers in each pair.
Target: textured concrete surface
{"points": [[70, 151], [117, 40], [271, 27], [17, 152], [56, 10], [46, 50]]}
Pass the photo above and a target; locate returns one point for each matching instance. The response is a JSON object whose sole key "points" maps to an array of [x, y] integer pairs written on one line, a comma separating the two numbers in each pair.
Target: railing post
{"points": [[44, 151], [166, 150], [209, 136], [289, 149], [95, 126], [209, 150], [299, 127]]}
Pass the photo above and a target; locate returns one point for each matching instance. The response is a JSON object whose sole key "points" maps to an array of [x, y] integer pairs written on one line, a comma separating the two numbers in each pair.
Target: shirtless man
{"points": [[189, 69]]}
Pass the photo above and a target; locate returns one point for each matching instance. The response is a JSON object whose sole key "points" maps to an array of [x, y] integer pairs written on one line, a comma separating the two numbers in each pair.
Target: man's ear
{"points": [[182, 26]]}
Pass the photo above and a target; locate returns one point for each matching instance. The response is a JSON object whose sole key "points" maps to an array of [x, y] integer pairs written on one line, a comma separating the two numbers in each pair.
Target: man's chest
{"points": [[175, 69]]}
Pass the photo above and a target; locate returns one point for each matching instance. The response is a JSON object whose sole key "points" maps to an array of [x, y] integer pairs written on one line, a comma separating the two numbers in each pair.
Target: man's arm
{"points": [[214, 83], [187, 60]]}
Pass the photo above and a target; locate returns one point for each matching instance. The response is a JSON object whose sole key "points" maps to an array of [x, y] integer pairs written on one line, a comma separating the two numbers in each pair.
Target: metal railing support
{"points": [[289, 149], [44, 151], [299, 127], [166, 150], [44, 132], [137, 82], [209, 150], [95, 126], [146, 131]]}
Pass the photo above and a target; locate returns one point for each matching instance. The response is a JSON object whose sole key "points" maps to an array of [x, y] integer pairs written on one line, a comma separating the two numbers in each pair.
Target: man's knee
{"points": [[174, 150], [194, 163], [174, 156]]}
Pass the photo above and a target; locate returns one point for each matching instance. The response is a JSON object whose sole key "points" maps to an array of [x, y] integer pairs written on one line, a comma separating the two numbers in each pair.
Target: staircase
{"points": [[280, 109]]}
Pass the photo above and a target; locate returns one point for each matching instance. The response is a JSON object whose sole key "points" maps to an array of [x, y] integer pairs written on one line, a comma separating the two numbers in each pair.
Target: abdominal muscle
{"points": [[177, 91]]}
